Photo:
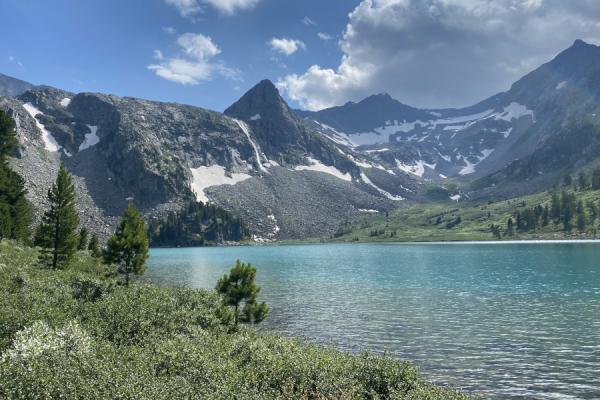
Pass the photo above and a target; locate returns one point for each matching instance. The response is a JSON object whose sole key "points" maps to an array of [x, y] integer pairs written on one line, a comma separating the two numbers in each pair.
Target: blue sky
{"points": [[426, 53], [106, 46]]}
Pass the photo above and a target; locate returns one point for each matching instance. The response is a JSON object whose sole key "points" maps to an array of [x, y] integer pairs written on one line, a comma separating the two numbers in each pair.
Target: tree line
{"points": [[197, 224], [564, 209]]}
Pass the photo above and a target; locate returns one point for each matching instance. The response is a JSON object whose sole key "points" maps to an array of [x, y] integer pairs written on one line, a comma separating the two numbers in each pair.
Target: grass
{"points": [[77, 334], [420, 222]]}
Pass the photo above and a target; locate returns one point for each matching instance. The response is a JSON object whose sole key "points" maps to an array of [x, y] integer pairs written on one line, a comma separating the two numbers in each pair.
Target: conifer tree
{"points": [[510, 230], [57, 234], [545, 216], [94, 246], [582, 181], [240, 291], [555, 208], [83, 239], [581, 218], [596, 179], [128, 247], [15, 210], [567, 202]]}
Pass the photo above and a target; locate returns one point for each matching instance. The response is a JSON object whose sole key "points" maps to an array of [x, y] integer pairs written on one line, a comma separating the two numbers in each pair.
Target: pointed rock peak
{"points": [[580, 43], [263, 100]]}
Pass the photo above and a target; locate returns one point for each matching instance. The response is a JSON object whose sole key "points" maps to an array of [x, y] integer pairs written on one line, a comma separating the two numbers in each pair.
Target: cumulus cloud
{"points": [[189, 8], [286, 46], [193, 64], [443, 53]]}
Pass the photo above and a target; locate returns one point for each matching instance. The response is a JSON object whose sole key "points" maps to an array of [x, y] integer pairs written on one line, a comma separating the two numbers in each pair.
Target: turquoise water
{"points": [[498, 320]]}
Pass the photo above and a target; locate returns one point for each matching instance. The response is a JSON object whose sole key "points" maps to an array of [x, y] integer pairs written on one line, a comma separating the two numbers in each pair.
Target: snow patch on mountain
{"points": [[470, 167], [418, 168], [246, 131], [50, 143], [91, 139], [255, 117], [215, 175], [561, 85], [318, 166], [65, 102], [514, 111], [390, 196]]}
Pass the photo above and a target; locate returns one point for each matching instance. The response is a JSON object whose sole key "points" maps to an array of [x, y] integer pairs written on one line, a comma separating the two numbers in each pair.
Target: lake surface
{"points": [[497, 320]]}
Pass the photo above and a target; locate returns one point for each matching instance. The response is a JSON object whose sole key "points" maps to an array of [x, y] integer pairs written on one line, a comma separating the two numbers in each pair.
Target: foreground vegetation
{"points": [[79, 334], [567, 212]]}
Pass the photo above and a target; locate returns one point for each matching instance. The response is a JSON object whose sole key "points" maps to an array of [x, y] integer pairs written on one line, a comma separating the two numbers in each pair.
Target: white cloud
{"points": [[190, 8], [286, 46], [440, 53], [169, 29], [13, 60], [194, 63], [308, 21], [186, 8], [324, 36]]}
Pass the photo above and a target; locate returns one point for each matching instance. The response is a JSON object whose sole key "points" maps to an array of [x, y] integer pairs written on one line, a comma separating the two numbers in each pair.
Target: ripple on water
{"points": [[501, 321]]}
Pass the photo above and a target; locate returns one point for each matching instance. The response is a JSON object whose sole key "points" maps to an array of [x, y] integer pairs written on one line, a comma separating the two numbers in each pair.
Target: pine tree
{"points": [[8, 136], [83, 239], [545, 216], [567, 202], [596, 179], [94, 246], [15, 210], [555, 208], [240, 291], [510, 230], [128, 247], [581, 219], [57, 234], [582, 181]]}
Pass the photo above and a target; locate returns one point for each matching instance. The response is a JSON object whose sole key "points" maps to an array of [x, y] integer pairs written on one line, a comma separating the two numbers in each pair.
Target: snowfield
{"points": [[215, 175], [91, 139], [50, 143], [318, 166]]}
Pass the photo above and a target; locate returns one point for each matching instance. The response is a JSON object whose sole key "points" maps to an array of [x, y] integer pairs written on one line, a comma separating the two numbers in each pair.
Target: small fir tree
{"points": [[15, 210], [128, 247], [83, 239], [57, 234], [94, 246], [239, 291]]}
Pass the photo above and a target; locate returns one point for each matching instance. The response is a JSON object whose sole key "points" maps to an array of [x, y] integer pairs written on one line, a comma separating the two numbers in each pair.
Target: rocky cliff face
{"points": [[258, 160]]}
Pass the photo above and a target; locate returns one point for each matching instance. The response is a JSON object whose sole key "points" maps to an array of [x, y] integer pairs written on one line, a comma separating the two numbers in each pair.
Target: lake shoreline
{"points": [[301, 242]]}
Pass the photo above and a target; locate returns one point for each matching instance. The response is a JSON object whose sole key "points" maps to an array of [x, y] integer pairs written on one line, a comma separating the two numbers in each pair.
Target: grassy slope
{"points": [[417, 223], [76, 334]]}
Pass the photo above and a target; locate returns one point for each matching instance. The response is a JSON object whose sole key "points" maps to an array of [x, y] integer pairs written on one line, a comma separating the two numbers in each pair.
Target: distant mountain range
{"points": [[296, 174]]}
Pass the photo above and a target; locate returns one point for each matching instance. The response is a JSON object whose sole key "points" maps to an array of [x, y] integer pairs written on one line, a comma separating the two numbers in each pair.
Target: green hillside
{"points": [[466, 220]]}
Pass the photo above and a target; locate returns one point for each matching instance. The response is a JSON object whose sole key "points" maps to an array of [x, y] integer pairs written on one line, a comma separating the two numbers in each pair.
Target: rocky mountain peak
{"points": [[262, 100], [276, 127]]}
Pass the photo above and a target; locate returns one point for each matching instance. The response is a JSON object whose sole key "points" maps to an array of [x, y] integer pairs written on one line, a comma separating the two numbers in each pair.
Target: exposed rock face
{"points": [[274, 170]]}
